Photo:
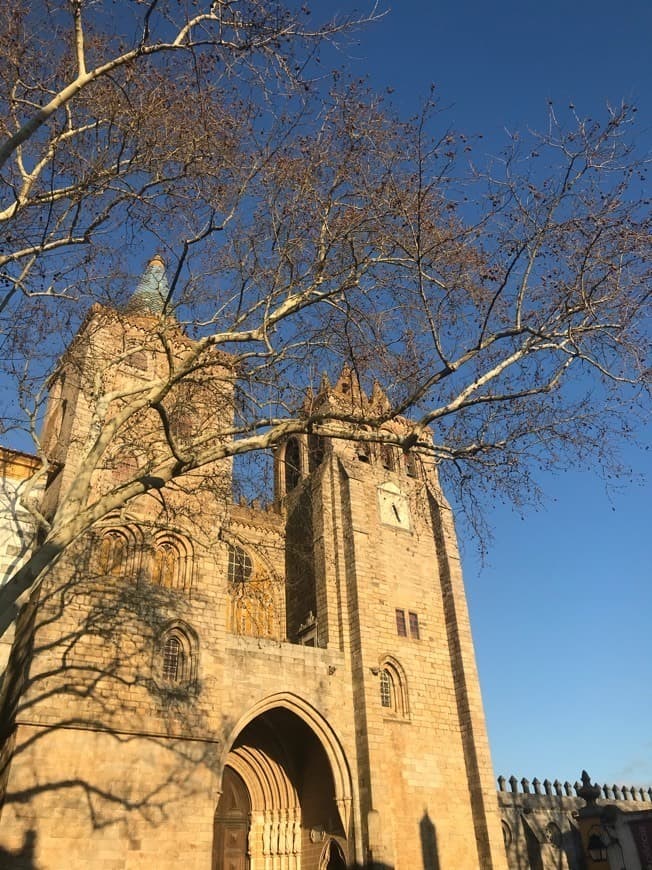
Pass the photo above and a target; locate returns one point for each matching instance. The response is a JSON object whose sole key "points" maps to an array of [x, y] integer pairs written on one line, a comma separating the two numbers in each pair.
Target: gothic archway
{"points": [[296, 797]]}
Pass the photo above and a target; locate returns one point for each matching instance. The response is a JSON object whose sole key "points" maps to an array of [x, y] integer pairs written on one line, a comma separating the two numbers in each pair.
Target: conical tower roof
{"points": [[151, 294]]}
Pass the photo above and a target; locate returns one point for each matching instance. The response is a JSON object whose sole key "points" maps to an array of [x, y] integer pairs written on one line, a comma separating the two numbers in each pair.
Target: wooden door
{"points": [[231, 835]]}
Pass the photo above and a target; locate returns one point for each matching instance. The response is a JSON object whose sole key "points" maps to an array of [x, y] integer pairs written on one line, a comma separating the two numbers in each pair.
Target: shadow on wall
{"points": [[428, 836], [91, 658], [23, 859], [429, 852]]}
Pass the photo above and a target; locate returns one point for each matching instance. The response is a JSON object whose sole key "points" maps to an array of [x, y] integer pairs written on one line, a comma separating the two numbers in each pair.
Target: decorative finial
{"points": [[151, 294], [589, 793]]}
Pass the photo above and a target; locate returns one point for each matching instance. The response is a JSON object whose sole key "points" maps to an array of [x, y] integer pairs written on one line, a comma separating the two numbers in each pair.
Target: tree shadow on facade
{"points": [[428, 837], [87, 680], [22, 858]]}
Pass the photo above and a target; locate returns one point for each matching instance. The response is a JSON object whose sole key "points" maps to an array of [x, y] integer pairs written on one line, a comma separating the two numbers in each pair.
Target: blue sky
{"points": [[562, 612]]}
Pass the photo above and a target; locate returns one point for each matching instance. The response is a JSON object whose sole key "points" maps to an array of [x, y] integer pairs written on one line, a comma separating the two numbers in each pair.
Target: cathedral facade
{"points": [[207, 684]]}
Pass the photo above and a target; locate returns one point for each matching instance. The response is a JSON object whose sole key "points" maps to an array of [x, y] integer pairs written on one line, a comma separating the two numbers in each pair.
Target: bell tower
{"points": [[115, 359], [373, 569]]}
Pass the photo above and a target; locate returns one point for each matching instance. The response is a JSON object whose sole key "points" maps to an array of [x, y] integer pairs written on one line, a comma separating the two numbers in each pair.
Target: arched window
{"points": [[292, 464], [137, 356], [183, 418], [332, 856], [166, 566], [177, 655], [113, 554], [172, 561], [393, 688]]}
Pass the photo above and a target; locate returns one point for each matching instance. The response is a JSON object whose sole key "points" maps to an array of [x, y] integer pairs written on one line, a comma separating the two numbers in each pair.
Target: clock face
{"points": [[393, 506]]}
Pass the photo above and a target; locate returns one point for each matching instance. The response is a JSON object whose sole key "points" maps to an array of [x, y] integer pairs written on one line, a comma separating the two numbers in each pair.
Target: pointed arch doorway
{"points": [[282, 795]]}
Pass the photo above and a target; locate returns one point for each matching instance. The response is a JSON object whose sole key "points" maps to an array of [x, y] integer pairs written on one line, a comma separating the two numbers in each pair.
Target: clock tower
{"points": [[372, 567]]}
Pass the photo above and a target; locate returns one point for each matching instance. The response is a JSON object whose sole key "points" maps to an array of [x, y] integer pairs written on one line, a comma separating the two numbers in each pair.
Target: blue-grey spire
{"points": [[151, 294]]}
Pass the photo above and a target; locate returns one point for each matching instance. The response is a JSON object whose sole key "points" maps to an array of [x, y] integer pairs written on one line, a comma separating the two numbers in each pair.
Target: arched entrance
{"points": [[295, 798]]}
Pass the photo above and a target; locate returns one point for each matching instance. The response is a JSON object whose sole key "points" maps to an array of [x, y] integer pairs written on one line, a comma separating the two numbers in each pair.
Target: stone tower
{"points": [[224, 686]]}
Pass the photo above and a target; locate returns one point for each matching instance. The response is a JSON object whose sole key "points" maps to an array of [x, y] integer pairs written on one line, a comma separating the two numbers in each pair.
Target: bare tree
{"points": [[500, 307], [105, 111]]}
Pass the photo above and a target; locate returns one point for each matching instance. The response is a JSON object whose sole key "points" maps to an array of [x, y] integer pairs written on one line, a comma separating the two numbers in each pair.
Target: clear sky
{"points": [[562, 614]]}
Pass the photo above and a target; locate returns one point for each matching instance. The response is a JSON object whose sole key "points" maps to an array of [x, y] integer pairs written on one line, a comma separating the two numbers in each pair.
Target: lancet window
{"points": [[363, 451], [172, 562], [411, 464], [387, 689], [166, 565], [113, 553]]}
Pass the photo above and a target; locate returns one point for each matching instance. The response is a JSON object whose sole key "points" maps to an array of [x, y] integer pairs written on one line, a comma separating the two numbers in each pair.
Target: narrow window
{"points": [[292, 464], [393, 688], [173, 660], [414, 626], [386, 689], [401, 627]]}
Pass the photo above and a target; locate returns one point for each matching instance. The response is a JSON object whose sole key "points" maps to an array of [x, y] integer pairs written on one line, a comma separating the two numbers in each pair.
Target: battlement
{"points": [[547, 788]]}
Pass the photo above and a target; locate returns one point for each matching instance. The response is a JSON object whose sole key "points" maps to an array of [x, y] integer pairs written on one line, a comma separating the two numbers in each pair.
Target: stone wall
{"points": [[542, 822]]}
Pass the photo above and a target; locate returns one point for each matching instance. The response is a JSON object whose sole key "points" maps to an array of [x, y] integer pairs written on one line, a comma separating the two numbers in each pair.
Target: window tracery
{"points": [[240, 565], [253, 610]]}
